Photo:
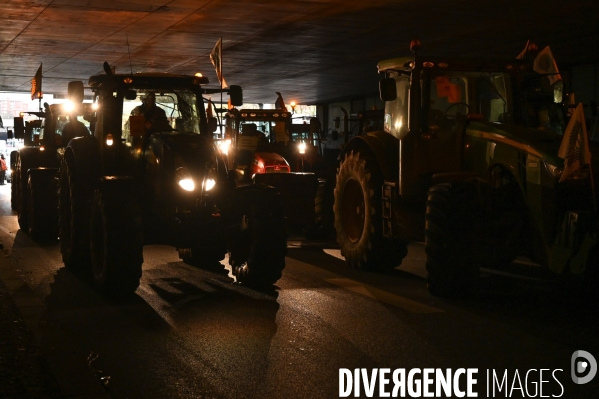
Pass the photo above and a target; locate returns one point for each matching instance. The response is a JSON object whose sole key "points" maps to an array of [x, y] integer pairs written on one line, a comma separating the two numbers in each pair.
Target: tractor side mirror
{"points": [[212, 124], [337, 121], [236, 95], [130, 95], [9, 134], [75, 90], [388, 89], [19, 127]]}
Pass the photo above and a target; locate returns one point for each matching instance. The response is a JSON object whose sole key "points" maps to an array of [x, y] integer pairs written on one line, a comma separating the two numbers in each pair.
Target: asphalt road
{"points": [[191, 333]]}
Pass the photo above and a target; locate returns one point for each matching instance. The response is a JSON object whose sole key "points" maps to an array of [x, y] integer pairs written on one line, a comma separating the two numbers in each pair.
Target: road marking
{"points": [[383, 296]]}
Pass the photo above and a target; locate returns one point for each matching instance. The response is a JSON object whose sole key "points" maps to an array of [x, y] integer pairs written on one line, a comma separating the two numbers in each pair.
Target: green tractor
{"points": [[151, 174], [467, 162]]}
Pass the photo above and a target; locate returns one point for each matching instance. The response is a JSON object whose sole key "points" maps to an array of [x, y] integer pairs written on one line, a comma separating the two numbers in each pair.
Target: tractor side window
{"points": [[396, 111], [491, 98]]}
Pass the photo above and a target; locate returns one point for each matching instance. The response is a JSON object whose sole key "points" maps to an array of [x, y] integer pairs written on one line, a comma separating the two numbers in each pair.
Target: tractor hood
{"points": [[538, 142], [196, 151]]}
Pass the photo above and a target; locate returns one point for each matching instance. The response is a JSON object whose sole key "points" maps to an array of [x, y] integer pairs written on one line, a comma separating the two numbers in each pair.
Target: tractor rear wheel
{"points": [[116, 241], [14, 183], [74, 225], [43, 203], [257, 250], [451, 212], [358, 215], [22, 198]]}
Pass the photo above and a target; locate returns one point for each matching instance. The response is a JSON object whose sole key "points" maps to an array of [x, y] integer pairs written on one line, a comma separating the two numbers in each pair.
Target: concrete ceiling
{"points": [[311, 51]]}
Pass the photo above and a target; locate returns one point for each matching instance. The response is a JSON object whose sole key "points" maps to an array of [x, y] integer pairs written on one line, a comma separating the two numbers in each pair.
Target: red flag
{"points": [[216, 56], [36, 84]]}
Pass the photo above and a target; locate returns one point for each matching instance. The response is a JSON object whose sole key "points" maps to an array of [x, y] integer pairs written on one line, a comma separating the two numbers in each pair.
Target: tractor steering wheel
{"points": [[458, 111]]}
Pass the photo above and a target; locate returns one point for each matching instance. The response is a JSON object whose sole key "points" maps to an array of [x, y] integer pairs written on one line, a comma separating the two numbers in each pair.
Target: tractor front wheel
{"points": [[358, 215], [258, 248], [116, 240]]}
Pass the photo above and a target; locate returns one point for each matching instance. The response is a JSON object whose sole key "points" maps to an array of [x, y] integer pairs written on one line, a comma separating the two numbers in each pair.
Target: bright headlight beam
{"points": [[209, 184], [187, 184], [302, 147], [68, 106]]}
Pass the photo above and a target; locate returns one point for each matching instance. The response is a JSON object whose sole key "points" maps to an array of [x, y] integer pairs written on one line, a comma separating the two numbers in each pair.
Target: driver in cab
{"points": [[155, 117]]}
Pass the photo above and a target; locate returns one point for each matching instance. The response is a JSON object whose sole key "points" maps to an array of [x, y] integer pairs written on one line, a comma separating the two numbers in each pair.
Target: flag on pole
{"points": [[523, 52], [280, 103], [209, 113], [545, 64], [36, 85], [574, 149], [216, 56]]}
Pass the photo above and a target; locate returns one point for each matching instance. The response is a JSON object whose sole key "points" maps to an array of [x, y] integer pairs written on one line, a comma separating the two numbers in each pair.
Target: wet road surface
{"points": [[192, 333]]}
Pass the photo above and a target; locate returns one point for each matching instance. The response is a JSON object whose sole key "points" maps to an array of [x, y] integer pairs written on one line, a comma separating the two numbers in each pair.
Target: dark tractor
{"points": [[467, 162], [154, 176], [34, 190], [267, 148]]}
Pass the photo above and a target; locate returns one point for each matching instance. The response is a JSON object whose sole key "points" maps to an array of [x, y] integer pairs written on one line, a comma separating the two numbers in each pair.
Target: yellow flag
{"points": [[216, 56], [545, 64], [36, 84], [574, 149]]}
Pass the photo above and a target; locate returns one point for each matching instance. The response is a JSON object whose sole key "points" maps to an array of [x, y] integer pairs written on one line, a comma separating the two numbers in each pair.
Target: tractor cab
{"points": [[255, 142]]}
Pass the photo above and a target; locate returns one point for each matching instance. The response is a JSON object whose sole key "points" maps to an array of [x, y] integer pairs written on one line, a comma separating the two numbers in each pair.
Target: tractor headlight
{"points": [[184, 179], [209, 184], [301, 147], [223, 146], [210, 180]]}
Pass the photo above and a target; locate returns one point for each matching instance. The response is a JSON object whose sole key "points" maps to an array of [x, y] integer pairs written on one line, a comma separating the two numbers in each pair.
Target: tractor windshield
{"points": [[163, 111]]}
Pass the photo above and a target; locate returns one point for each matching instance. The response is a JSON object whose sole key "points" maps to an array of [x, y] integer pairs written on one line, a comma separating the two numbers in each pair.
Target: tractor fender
{"points": [[33, 157], [13, 159], [84, 154], [383, 146]]}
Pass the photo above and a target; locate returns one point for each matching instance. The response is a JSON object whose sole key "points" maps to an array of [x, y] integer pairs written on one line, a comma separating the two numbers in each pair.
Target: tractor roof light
{"points": [[301, 147]]}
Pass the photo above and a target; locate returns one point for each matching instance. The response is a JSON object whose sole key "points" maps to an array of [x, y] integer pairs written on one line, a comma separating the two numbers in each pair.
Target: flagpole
{"points": [[220, 122]]}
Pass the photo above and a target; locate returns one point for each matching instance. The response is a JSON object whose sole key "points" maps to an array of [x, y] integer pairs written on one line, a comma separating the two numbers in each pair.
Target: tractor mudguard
{"points": [[383, 146], [85, 153], [13, 159]]}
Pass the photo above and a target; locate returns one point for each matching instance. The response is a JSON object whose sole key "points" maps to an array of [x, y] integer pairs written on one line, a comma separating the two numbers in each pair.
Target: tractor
{"points": [[267, 148], [469, 162], [34, 190], [156, 177]]}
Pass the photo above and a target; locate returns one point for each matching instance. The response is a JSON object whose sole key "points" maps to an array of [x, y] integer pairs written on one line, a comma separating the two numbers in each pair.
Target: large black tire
{"points": [[43, 203], [116, 241], [358, 215], [258, 248], [323, 211], [14, 183], [22, 197], [74, 222], [452, 212]]}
